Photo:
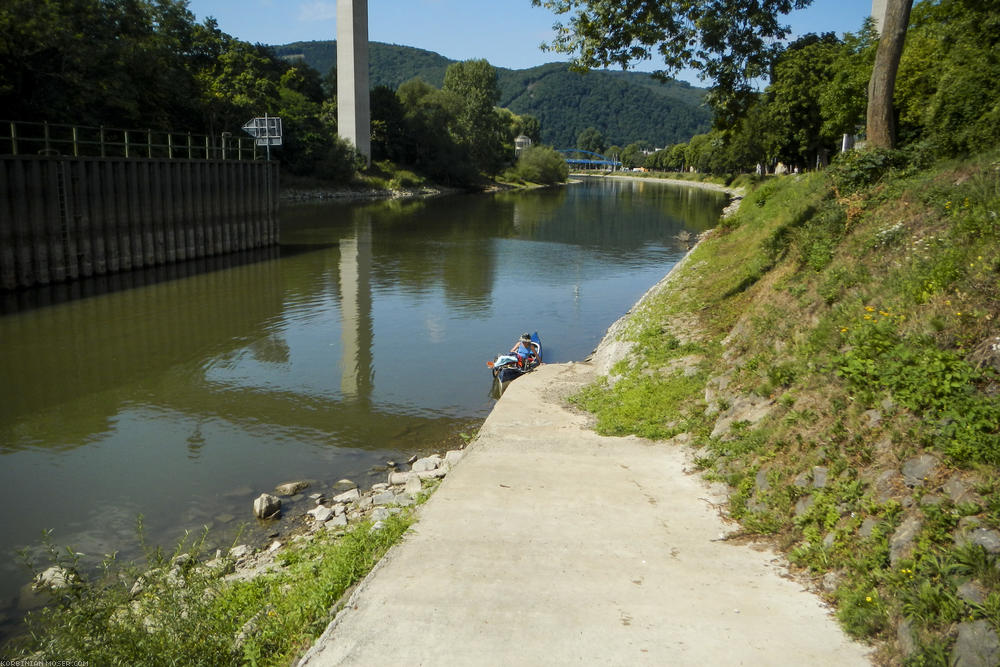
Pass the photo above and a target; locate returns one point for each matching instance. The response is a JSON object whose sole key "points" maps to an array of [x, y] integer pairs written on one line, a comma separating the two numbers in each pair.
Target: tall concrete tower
{"points": [[878, 13], [354, 116]]}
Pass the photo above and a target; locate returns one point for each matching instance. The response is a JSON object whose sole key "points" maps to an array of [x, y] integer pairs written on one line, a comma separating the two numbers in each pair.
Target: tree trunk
{"points": [[881, 124]]}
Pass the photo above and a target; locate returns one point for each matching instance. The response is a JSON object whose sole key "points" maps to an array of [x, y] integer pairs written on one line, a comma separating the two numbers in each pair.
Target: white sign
{"points": [[266, 130]]}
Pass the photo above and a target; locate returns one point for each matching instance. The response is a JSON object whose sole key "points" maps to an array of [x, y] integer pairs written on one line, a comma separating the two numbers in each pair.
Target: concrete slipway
{"points": [[549, 544]]}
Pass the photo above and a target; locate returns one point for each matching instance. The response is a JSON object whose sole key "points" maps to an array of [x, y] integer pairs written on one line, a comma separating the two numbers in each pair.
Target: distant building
{"points": [[520, 143]]}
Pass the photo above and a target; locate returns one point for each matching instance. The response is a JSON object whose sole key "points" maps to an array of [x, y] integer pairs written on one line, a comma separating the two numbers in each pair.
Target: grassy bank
{"points": [[180, 608], [832, 352]]}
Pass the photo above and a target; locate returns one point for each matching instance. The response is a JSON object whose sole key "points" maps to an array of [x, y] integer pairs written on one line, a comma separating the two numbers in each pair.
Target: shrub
{"points": [[541, 164], [857, 169]]}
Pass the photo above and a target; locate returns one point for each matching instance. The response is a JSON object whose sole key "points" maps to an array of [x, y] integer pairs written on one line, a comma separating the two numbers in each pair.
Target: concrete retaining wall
{"points": [[64, 218]]}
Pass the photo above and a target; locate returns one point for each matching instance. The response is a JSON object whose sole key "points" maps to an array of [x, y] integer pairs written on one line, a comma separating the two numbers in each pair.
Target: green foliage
{"points": [[861, 610], [177, 610], [945, 89], [820, 236], [732, 44], [640, 404], [541, 164], [858, 169], [626, 106], [591, 139], [937, 384], [796, 133]]}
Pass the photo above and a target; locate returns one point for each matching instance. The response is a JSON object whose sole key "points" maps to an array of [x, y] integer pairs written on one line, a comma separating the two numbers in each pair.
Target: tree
{"points": [[541, 164], [793, 102], [475, 83], [632, 156], [590, 139], [881, 128], [732, 42]]}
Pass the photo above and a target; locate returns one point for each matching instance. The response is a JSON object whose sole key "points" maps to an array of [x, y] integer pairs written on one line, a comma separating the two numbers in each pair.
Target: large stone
{"points": [[977, 646], [959, 491], [321, 513], [819, 475], [750, 409], [413, 486], [760, 481], [906, 638], [291, 488], [452, 457], [801, 481], [886, 485], [54, 578], [240, 552], [266, 506], [973, 591], [867, 526], [872, 417], [803, 505], [901, 542], [384, 498], [432, 462], [397, 478], [338, 521], [985, 537], [918, 469], [347, 496]]}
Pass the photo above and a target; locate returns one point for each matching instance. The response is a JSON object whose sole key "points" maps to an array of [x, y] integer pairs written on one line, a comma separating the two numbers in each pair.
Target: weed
{"points": [[183, 611], [861, 610]]}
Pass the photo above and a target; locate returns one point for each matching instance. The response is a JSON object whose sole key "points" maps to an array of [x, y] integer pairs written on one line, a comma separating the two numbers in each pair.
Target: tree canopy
{"points": [[945, 96], [731, 42]]}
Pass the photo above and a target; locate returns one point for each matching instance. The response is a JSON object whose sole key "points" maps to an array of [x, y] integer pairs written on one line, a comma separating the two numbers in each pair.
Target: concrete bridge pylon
{"points": [[353, 105]]}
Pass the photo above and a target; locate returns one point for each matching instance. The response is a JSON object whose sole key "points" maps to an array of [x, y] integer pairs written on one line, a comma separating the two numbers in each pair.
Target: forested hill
{"points": [[625, 107]]}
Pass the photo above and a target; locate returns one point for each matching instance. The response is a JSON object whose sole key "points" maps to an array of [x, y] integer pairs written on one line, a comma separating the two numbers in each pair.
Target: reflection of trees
{"points": [[77, 353], [636, 213], [432, 245], [271, 349]]}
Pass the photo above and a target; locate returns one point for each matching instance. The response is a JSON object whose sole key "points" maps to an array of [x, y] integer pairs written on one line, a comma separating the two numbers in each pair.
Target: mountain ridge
{"points": [[626, 107]]}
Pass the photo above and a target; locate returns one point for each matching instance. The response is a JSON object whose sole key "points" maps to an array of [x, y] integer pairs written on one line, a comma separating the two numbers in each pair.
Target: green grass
{"points": [[176, 610]]}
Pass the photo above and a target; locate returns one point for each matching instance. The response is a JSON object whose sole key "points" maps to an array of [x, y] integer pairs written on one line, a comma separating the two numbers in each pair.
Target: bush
{"points": [[857, 169], [340, 162], [541, 164]]}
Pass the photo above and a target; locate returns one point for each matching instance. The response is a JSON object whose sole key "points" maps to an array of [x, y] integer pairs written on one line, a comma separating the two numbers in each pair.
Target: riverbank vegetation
{"points": [[188, 608], [149, 65], [843, 327], [945, 97]]}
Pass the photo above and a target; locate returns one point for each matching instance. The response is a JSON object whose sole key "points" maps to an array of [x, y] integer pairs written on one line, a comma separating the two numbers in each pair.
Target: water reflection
{"points": [[356, 310], [365, 338]]}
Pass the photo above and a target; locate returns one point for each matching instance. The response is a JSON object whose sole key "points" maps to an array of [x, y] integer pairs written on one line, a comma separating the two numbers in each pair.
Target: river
{"points": [[182, 393]]}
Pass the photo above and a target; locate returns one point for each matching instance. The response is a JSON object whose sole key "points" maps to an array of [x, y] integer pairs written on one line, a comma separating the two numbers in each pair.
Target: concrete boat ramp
{"points": [[549, 544]]}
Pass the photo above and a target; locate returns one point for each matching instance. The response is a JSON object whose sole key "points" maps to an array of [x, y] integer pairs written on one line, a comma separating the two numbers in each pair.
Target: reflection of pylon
{"points": [[353, 106]]}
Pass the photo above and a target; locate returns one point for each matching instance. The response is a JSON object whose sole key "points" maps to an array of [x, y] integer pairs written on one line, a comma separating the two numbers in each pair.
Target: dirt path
{"points": [[549, 544]]}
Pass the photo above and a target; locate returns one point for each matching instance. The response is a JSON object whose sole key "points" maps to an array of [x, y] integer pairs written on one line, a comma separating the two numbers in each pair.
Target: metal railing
{"points": [[28, 138]]}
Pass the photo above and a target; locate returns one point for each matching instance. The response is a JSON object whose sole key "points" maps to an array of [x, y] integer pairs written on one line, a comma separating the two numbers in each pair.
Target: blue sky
{"points": [[507, 34]]}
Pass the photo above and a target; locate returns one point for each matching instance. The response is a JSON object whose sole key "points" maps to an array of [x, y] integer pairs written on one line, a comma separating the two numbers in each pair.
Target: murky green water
{"points": [[184, 393]]}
